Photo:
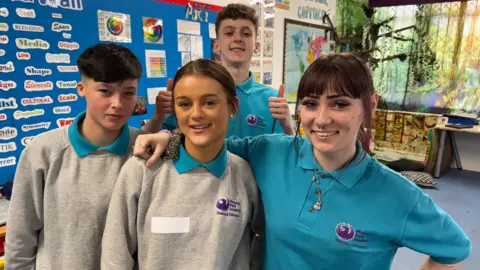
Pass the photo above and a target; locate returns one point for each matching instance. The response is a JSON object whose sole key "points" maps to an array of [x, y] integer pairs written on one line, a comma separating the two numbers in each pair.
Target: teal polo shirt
{"points": [[186, 163], [367, 214], [84, 148], [253, 117]]}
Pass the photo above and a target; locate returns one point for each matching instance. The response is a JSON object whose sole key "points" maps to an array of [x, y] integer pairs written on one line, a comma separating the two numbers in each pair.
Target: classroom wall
{"points": [[83, 32], [293, 13]]}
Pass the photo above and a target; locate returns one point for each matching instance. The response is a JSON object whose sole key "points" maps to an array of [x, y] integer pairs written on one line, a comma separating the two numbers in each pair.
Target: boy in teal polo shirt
{"points": [[263, 110], [65, 177]]}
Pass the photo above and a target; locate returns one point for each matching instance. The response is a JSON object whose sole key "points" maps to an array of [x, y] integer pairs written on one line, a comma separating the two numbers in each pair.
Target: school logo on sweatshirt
{"points": [[228, 207]]}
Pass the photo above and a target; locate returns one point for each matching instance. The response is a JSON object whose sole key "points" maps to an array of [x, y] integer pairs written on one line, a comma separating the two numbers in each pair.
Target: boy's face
{"points": [[109, 105], [236, 41]]}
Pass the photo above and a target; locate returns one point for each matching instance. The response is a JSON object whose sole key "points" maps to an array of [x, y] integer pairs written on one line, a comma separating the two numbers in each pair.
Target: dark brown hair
{"points": [[212, 70], [109, 62], [346, 74], [235, 12]]}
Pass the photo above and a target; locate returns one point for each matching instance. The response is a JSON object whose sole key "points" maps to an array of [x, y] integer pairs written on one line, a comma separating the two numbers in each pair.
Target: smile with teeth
{"points": [[200, 126], [325, 134]]}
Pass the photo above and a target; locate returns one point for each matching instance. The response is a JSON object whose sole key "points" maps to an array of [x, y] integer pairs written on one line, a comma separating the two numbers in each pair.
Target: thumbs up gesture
{"points": [[163, 106], [280, 111], [163, 101]]}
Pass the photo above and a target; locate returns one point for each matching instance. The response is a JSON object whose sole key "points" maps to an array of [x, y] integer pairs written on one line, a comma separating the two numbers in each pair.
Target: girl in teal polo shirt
{"points": [[328, 204]]}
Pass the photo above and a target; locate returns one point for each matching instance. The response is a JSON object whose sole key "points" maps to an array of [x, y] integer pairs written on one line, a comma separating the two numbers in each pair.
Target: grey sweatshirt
{"points": [[59, 204], [160, 219]]}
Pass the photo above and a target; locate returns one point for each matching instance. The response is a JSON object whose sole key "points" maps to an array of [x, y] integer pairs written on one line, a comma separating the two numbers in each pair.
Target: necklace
{"points": [[318, 204]]}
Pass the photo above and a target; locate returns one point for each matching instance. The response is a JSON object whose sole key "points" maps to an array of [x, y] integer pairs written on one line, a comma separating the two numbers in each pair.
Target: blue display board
{"points": [[41, 47]]}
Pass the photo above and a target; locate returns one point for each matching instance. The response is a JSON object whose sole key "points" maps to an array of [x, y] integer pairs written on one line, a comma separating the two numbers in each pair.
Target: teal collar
{"points": [[83, 147], [246, 86], [347, 176], [186, 163]]}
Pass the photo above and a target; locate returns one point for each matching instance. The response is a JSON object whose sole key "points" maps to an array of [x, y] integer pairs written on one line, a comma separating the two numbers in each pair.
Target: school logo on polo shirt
{"points": [[228, 207], [256, 121], [347, 235]]}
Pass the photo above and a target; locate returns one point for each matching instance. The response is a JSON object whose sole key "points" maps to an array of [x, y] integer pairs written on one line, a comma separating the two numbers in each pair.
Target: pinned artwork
{"points": [[36, 101], [2, 52], [152, 30], [114, 27], [268, 44], [67, 85], [156, 63], [267, 72]]}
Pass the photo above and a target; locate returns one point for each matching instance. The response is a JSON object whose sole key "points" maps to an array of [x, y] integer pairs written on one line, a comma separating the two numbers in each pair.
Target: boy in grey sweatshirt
{"points": [[65, 177]]}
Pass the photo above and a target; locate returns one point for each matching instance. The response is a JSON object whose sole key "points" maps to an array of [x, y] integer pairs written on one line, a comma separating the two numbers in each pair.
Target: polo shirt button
{"points": [[323, 175]]}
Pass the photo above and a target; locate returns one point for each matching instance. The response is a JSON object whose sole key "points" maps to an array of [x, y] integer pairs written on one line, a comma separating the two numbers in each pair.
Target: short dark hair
{"points": [[109, 62], [235, 12], [212, 70], [346, 74]]}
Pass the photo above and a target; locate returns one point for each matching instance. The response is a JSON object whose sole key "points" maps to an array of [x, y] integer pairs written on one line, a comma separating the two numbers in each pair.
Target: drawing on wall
{"points": [[114, 27], [152, 30], [303, 44], [268, 44], [259, 42], [268, 13], [256, 69]]}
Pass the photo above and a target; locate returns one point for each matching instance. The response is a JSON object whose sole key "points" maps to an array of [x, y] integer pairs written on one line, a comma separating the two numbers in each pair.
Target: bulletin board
{"points": [[40, 41]]}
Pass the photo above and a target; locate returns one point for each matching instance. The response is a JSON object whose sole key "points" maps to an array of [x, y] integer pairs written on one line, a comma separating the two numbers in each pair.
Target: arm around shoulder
{"points": [[119, 242], [25, 213]]}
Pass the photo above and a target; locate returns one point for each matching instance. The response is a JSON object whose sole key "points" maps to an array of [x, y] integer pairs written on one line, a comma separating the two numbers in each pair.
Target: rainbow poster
{"points": [[152, 30], [114, 27]]}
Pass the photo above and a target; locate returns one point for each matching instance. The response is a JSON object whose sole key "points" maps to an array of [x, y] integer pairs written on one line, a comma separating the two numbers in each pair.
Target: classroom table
{"points": [[444, 131]]}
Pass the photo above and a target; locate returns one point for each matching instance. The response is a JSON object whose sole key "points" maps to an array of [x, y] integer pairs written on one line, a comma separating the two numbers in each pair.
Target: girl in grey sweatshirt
{"points": [[193, 212]]}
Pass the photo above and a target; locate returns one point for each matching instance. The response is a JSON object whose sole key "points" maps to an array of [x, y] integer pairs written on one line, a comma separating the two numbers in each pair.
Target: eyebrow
{"points": [[231, 27], [335, 96], [204, 96]]}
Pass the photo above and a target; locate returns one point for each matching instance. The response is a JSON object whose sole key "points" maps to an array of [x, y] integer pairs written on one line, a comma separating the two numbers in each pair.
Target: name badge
{"points": [[170, 224]]}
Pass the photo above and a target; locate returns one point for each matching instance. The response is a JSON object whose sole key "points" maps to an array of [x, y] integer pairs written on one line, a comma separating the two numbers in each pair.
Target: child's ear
{"points": [[81, 89]]}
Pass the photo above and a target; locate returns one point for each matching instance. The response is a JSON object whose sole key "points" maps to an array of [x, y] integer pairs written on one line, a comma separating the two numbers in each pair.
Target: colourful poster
{"points": [[156, 64], [152, 30], [114, 27]]}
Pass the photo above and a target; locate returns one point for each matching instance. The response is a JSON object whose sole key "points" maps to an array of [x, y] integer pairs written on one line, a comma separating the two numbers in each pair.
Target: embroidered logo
{"points": [[256, 121], [228, 207], [351, 237], [345, 231]]}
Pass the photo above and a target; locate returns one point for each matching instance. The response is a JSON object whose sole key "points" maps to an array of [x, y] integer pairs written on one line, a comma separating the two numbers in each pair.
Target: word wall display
{"points": [[41, 40]]}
